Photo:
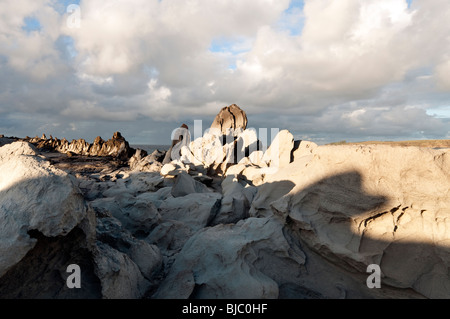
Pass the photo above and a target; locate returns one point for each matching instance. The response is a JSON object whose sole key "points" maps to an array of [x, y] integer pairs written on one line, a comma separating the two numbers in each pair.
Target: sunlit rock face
{"points": [[34, 196], [230, 118], [375, 204], [116, 146]]}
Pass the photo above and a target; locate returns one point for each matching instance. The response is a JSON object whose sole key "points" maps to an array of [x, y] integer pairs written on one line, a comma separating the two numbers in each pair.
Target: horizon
{"points": [[327, 71]]}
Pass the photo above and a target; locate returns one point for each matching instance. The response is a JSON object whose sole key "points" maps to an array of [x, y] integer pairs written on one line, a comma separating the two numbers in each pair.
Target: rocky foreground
{"points": [[225, 219]]}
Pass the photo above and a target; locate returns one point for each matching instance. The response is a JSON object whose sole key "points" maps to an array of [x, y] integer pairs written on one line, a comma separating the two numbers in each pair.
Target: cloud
{"points": [[321, 68]]}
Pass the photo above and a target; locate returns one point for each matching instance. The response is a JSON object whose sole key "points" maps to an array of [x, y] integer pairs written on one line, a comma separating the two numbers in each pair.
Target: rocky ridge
{"points": [[229, 218], [116, 146]]}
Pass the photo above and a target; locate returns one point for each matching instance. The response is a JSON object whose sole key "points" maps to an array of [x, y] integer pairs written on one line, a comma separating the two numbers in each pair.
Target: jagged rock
{"points": [[216, 155], [230, 118], [96, 147], [116, 147], [80, 147], [141, 162]]}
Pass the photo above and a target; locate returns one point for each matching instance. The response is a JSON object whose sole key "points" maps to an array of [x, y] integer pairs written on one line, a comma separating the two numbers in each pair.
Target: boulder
{"points": [[185, 185], [247, 260], [147, 257], [195, 210], [170, 237], [230, 119], [236, 201], [121, 278], [136, 215], [34, 196], [278, 154]]}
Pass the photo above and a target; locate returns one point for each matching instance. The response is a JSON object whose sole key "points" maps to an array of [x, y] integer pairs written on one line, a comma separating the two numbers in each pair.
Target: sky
{"points": [[326, 70]]}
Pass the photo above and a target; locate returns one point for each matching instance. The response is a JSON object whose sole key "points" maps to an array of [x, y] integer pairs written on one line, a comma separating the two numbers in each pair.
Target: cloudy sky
{"points": [[327, 70]]}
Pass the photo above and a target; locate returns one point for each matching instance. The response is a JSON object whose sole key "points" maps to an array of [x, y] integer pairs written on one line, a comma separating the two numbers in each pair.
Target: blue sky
{"points": [[338, 70], [31, 24]]}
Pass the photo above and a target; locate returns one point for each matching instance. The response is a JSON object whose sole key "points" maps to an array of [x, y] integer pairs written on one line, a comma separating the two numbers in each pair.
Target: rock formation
{"points": [[116, 147], [230, 118], [46, 224], [296, 220]]}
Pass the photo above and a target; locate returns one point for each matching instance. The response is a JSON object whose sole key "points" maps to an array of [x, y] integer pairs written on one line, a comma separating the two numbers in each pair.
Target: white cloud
{"points": [[31, 53], [348, 66]]}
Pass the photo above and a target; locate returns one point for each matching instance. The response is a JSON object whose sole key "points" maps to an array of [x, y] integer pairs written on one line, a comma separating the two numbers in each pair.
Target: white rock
{"points": [[33, 196], [248, 260], [235, 202], [195, 210], [305, 148], [185, 185], [167, 169], [278, 154], [374, 204]]}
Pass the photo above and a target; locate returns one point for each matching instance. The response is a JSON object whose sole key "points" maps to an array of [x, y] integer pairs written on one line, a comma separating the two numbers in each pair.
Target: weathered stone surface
{"points": [[302, 148], [235, 205], [230, 118], [278, 154], [247, 260], [120, 276], [185, 185], [195, 210], [147, 257], [361, 205], [33, 196], [139, 217], [140, 162]]}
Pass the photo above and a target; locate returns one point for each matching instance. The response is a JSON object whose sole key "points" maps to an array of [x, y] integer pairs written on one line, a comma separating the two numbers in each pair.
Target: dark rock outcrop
{"points": [[116, 146]]}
